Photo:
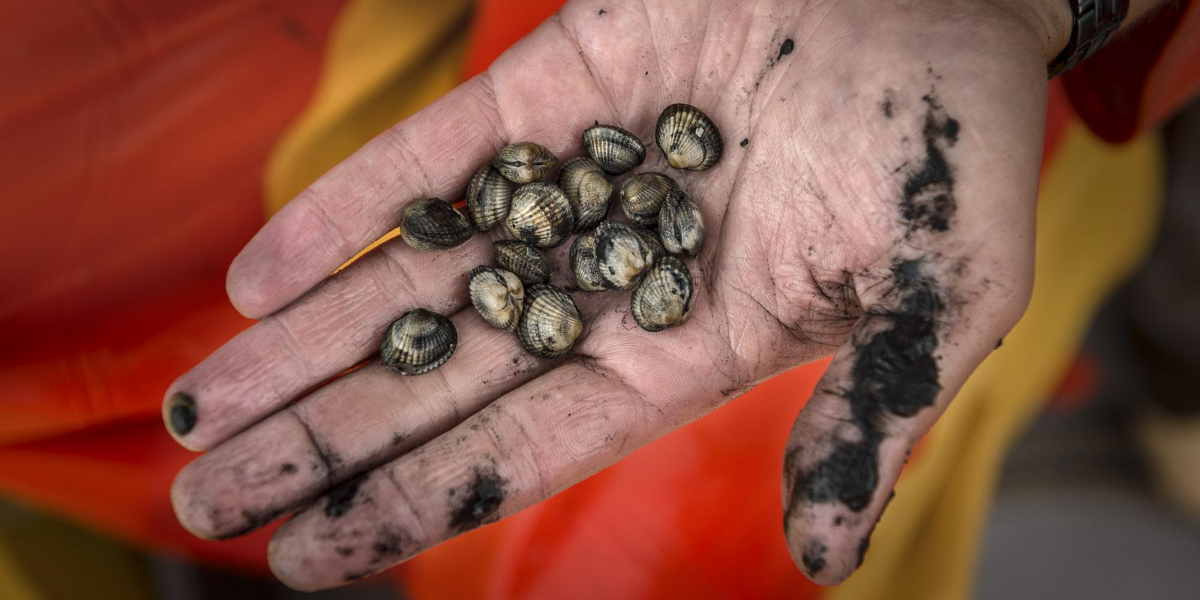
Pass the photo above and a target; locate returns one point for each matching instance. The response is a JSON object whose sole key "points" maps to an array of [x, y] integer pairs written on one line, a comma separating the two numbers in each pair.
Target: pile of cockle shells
{"points": [[516, 295]]}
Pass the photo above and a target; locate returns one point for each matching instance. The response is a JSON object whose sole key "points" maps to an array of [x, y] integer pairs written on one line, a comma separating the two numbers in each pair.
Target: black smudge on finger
{"points": [[894, 372], [181, 413], [478, 501], [785, 48], [814, 558], [341, 499], [927, 200]]}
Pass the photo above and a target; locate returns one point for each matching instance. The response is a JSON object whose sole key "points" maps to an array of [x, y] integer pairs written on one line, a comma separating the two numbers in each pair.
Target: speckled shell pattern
{"points": [[614, 149], [583, 263], [524, 162], [642, 196], [498, 295], [541, 215], [688, 138], [528, 263], [681, 225], [664, 298], [434, 224], [551, 323], [489, 195], [418, 342], [588, 190]]}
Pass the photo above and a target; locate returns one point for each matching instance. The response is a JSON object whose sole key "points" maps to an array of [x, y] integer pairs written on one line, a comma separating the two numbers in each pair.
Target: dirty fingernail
{"points": [[181, 413]]}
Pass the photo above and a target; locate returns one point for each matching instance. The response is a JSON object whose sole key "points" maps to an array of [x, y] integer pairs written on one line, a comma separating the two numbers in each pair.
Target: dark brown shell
{"points": [[524, 162], [551, 322], [541, 215], [528, 263], [434, 224], [664, 298], [642, 196], [588, 190], [614, 149], [498, 296], [489, 196], [621, 255], [583, 263], [688, 138], [681, 225], [418, 342]]}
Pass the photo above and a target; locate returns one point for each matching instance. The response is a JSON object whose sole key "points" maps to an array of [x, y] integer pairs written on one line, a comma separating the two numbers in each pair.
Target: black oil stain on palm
{"points": [[602, 12], [341, 499], [181, 416], [895, 372], [287, 468], [745, 142], [785, 49], [479, 501], [927, 200]]}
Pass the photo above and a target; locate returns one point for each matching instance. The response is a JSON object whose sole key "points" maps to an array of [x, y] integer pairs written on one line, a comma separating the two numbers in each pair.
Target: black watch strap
{"points": [[1094, 23]]}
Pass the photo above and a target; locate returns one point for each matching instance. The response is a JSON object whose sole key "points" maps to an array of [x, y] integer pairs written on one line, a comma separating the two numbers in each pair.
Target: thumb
{"points": [[904, 360]]}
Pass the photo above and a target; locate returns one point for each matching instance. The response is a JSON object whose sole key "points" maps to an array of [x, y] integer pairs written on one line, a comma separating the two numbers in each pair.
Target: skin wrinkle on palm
{"points": [[807, 232]]}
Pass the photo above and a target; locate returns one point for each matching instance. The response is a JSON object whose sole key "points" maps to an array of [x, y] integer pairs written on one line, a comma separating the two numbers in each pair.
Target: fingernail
{"points": [[181, 413]]}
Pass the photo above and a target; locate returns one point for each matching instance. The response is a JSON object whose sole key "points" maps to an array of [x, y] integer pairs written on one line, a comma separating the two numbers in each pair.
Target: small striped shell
{"points": [[681, 225], [588, 190], [642, 196], [688, 138], [528, 263], [541, 215], [621, 255], [583, 262], [418, 342], [614, 149], [434, 224], [498, 296], [524, 162], [489, 195], [664, 298], [551, 322]]}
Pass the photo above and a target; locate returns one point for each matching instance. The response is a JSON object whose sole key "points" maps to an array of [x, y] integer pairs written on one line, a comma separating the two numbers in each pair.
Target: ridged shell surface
{"points": [[664, 298], [642, 196], [541, 215], [583, 262], [614, 149], [418, 342], [588, 190], [528, 263], [621, 255], [489, 196], [688, 138], [551, 322], [681, 225], [498, 296], [524, 162], [652, 242], [434, 224]]}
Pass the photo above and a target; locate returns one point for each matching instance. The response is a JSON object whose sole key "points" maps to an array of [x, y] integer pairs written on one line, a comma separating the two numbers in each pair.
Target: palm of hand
{"points": [[877, 204]]}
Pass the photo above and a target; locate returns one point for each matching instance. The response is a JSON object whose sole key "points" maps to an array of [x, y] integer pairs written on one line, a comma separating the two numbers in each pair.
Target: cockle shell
{"points": [[498, 296], [489, 196], [621, 256], [614, 149], [583, 262], [526, 262], [551, 322], [588, 190], [434, 224], [418, 342], [681, 225], [664, 297], [541, 215], [642, 196], [524, 162], [688, 138]]}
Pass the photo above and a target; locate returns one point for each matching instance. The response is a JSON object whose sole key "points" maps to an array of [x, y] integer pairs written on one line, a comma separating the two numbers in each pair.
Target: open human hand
{"points": [[875, 201]]}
